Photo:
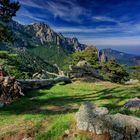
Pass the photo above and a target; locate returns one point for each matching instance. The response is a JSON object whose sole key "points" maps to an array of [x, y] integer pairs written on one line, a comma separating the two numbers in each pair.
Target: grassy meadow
{"points": [[48, 114]]}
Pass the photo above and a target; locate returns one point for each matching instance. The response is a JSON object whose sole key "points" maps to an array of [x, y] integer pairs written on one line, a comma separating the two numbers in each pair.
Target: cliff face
{"points": [[41, 34], [102, 56]]}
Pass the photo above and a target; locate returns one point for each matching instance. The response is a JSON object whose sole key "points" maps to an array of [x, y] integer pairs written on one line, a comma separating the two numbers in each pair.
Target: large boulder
{"points": [[84, 70], [87, 119], [83, 64], [97, 120]]}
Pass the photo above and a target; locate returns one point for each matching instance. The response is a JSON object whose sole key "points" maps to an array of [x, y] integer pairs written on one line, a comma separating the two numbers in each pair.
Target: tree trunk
{"points": [[9, 89]]}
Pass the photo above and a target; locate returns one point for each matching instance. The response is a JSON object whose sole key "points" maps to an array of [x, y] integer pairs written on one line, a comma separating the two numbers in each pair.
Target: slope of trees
{"points": [[54, 54], [12, 65]]}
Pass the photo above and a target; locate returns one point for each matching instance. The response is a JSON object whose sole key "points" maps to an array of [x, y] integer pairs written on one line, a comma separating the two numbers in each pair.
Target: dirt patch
{"points": [[24, 130], [15, 132], [56, 108]]}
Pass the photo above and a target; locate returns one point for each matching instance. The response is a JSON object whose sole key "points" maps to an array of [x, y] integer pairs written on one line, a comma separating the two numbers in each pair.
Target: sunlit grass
{"points": [[46, 114]]}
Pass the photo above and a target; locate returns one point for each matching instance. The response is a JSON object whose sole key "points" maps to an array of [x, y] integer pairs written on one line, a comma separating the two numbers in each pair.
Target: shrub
{"points": [[114, 72]]}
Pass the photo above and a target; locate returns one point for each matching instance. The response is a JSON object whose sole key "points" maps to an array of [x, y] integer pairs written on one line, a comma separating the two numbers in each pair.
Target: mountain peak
{"points": [[40, 24], [42, 34]]}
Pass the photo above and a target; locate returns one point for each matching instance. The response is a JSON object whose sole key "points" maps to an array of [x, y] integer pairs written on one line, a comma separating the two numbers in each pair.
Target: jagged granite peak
{"points": [[102, 56], [45, 33], [41, 34]]}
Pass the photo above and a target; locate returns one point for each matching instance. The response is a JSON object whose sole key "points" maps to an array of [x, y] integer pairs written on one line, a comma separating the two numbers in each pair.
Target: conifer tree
{"points": [[114, 72]]}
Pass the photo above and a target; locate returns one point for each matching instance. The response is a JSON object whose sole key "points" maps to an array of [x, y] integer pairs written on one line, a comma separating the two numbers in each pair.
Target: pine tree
{"points": [[91, 55], [114, 72]]}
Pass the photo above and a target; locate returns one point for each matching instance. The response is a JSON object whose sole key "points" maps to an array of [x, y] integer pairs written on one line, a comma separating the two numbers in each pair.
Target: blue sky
{"points": [[104, 23]]}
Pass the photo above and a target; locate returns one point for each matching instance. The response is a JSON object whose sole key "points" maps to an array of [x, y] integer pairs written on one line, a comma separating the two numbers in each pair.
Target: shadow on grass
{"points": [[35, 102]]}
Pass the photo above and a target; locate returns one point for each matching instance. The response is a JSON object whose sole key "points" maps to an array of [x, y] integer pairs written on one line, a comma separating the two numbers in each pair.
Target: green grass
{"points": [[47, 114]]}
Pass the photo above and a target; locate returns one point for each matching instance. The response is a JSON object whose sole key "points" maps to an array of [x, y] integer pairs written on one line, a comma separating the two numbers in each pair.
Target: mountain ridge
{"points": [[54, 47], [121, 57], [41, 34]]}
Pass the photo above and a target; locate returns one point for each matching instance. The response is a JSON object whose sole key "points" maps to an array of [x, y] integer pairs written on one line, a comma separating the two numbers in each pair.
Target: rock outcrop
{"points": [[98, 121], [133, 104], [102, 56], [83, 70]]}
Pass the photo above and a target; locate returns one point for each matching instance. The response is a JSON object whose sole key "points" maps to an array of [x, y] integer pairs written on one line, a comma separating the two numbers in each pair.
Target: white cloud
{"points": [[103, 18], [82, 30], [111, 41], [30, 3], [67, 10]]}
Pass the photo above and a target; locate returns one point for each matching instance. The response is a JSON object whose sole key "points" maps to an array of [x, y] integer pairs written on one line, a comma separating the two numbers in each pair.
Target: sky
{"points": [[103, 23]]}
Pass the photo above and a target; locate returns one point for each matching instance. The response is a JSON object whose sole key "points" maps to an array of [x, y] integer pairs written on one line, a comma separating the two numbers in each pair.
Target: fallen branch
{"points": [[53, 74], [11, 89], [39, 74], [38, 84]]}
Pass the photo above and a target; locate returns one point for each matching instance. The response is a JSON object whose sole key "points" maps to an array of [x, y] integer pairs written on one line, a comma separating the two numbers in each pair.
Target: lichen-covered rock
{"points": [[98, 121], [84, 70], [83, 64], [87, 118], [125, 125]]}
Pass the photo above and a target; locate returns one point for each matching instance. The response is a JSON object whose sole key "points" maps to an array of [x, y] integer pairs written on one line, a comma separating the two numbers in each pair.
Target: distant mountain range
{"points": [[120, 57], [40, 40]]}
